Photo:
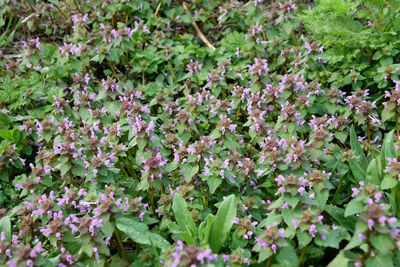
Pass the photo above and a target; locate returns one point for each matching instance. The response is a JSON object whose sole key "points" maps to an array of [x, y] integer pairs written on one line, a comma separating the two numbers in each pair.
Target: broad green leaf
{"points": [[288, 254], [139, 232], [338, 214], [387, 115], [356, 147], [205, 229], [341, 136], [5, 226], [388, 182], [182, 215], [171, 166], [189, 171], [213, 183], [304, 239], [380, 261], [357, 170], [136, 231], [372, 176], [339, 261], [223, 223], [382, 242], [332, 238], [264, 254], [74, 246], [388, 151], [354, 207], [158, 241]]}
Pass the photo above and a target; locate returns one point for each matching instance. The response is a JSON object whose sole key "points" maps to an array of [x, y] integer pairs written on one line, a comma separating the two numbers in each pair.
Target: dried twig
{"points": [[28, 18], [202, 37], [158, 8]]}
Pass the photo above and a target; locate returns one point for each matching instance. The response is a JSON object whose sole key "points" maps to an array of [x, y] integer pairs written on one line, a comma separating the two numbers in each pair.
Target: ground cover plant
{"points": [[199, 133]]}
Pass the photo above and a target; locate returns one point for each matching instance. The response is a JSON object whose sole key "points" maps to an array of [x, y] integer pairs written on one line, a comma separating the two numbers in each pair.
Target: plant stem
{"points": [[29, 72], [368, 132], [303, 251], [78, 7], [113, 71], [204, 198], [121, 246], [338, 188], [237, 113], [158, 8], [268, 262], [152, 199], [397, 124], [172, 71], [62, 13]]}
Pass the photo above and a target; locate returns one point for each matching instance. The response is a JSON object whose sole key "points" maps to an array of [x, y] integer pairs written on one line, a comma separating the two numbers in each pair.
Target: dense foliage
{"points": [[199, 133]]}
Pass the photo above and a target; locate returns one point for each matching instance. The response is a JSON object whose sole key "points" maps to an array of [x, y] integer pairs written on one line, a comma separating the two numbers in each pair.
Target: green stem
{"points": [[62, 13], [78, 7], [397, 124], [238, 113], [172, 70], [204, 198], [303, 251], [152, 200], [268, 262], [121, 246], [338, 188]]}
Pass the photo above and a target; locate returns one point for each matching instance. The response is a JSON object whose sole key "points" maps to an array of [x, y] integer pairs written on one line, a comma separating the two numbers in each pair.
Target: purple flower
{"points": [[313, 230]]}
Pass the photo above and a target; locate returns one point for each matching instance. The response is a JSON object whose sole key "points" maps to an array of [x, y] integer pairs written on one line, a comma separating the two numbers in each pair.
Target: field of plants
{"points": [[199, 133]]}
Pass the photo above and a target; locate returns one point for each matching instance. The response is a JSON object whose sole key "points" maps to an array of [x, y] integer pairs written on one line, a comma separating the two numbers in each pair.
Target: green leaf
{"points": [[171, 166], [357, 170], [5, 226], [213, 183], [388, 150], [332, 238], [73, 247], [339, 261], [205, 229], [54, 2], [338, 214], [182, 215], [189, 171], [341, 136], [356, 147], [151, 89], [372, 176], [158, 241], [380, 261], [264, 254], [136, 231], [388, 182], [139, 232], [64, 168], [288, 254], [223, 223], [382, 242], [304, 239], [108, 228], [387, 115], [354, 207], [79, 170]]}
